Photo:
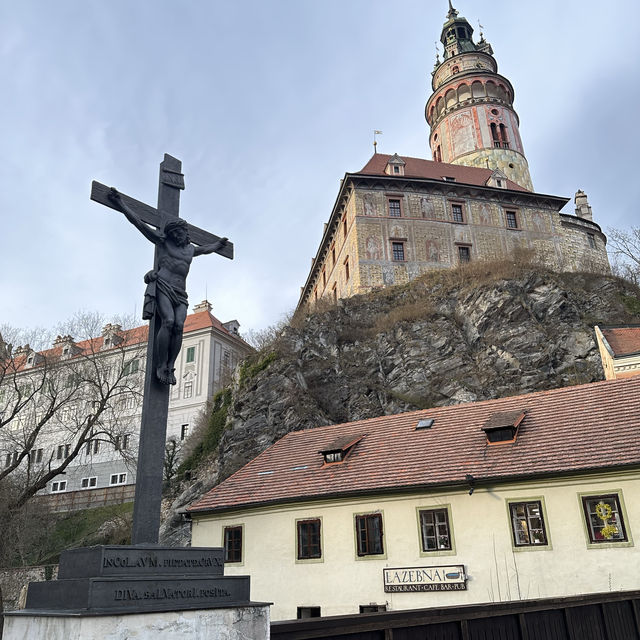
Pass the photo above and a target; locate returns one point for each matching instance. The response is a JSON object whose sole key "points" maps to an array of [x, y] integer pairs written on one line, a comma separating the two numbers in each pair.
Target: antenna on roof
{"points": [[375, 142]]}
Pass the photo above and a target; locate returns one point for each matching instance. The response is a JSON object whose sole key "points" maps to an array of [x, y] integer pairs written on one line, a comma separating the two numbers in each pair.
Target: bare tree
{"points": [[56, 403], [624, 246]]}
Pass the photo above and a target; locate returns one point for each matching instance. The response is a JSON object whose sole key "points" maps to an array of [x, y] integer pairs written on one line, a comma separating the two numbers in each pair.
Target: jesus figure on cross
{"points": [[166, 284]]}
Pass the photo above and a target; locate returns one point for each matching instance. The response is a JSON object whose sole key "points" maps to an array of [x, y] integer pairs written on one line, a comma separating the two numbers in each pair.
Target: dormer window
{"points": [[503, 426], [395, 166], [449, 179], [339, 449], [65, 351]]}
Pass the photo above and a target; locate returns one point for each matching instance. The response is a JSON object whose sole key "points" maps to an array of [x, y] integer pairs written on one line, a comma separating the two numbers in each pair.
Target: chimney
{"points": [[583, 210], [205, 305]]}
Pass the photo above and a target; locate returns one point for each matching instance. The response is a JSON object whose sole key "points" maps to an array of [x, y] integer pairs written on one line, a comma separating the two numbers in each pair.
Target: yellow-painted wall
{"points": [[481, 529]]}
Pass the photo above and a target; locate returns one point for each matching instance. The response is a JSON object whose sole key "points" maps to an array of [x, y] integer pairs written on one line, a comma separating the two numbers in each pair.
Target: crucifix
{"points": [[165, 305]]}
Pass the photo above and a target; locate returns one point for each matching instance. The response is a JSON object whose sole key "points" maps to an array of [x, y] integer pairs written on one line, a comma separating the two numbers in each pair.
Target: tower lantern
{"points": [[470, 112]]}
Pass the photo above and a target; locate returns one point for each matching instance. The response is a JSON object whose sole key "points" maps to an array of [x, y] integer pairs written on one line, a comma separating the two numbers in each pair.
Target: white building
{"points": [[104, 470], [531, 496]]}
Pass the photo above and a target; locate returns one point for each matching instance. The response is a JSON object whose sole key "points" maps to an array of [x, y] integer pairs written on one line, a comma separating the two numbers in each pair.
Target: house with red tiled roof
{"points": [[105, 470], [400, 217], [529, 496], [619, 350]]}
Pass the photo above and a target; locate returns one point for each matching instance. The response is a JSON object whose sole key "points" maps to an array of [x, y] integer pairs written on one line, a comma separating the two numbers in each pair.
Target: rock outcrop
{"points": [[445, 339]]}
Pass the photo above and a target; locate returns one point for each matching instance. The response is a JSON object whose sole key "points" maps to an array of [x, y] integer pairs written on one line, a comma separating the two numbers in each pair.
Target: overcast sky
{"points": [[268, 103]]}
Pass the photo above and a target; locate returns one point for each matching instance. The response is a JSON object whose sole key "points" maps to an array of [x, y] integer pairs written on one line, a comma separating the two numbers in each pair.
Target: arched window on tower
{"points": [[503, 137], [494, 135], [438, 154]]}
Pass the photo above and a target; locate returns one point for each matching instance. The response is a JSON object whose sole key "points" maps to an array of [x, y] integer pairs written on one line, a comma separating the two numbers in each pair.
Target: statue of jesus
{"points": [[166, 285]]}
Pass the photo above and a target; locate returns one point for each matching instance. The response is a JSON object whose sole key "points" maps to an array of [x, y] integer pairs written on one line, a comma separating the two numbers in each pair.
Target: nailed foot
{"points": [[165, 376]]}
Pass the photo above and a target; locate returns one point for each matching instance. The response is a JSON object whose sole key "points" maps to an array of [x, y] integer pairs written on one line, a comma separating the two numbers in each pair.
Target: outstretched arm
{"points": [[210, 248], [149, 233]]}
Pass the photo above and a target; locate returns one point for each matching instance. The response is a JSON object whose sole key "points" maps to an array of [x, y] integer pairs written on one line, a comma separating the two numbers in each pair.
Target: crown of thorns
{"points": [[172, 225]]}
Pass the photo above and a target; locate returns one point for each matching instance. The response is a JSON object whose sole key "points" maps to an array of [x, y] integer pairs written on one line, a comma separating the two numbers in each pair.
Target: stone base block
{"points": [[238, 623]]}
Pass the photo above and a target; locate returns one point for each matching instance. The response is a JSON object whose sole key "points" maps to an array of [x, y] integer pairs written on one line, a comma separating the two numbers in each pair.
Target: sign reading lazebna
{"points": [[165, 306]]}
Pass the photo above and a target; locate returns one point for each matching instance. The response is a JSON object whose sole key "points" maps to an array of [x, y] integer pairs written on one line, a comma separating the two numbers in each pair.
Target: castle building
{"points": [[400, 217], [104, 471], [524, 497]]}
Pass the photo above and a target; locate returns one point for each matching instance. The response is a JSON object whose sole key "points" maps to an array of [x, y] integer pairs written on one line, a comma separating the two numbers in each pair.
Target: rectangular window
{"points": [[116, 443], [58, 486], [131, 367], [63, 451], [333, 255], [191, 354], [434, 529], [188, 389], [372, 608], [7, 461], [233, 544], [35, 456], [464, 254], [125, 441], [512, 220], [92, 445], [344, 226], [308, 612], [117, 478], [395, 210], [346, 269], [369, 534], [457, 213], [592, 240], [397, 251], [604, 518], [527, 524], [308, 539], [184, 430], [89, 483]]}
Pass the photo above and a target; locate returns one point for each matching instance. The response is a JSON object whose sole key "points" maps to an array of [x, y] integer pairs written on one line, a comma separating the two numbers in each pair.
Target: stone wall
{"points": [[14, 579]]}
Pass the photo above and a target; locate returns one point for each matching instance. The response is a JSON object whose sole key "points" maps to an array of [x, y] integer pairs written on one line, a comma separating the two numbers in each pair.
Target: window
{"points": [[131, 367], [188, 389], [527, 524], [344, 226], [334, 291], [233, 544], [125, 441], [117, 478], [7, 460], [512, 220], [397, 251], [333, 255], [184, 430], [308, 612], [457, 215], [604, 518], [324, 278], [503, 137], [308, 533], [116, 443], [92, 445], [89, 483], [191, 354], [346, 269], [59, 486], [35, 456], [372, 608], [63, 451], [369, 534], [449, 179], [464, 254], [434, 530], [592, 240], [395, 210]]}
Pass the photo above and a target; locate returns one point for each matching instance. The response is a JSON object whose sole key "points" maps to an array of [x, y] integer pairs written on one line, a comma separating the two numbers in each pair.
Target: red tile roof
{"points": [[623, 340], [421, 168], [564, 430], [137, 335]]}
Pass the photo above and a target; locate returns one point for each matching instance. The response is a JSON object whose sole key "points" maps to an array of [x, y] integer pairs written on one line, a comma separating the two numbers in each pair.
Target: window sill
{"points": [[437, 553], [376, 556], [532, 547], [610, 545], [309, 560]]}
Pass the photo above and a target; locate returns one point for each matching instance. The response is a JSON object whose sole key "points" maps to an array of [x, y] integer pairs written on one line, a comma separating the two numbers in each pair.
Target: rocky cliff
{"points": [[450, 337]]}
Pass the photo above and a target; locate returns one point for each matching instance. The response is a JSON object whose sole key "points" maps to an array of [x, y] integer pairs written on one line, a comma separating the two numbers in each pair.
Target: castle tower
{"points": [[470, 111]]}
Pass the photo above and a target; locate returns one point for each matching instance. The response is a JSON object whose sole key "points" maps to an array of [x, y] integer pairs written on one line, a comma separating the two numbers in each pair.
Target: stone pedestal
{"points": [[142, 591]]}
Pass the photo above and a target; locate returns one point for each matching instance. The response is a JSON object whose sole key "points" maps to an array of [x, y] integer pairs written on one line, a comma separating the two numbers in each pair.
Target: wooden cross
{"points": [[155, 403]]}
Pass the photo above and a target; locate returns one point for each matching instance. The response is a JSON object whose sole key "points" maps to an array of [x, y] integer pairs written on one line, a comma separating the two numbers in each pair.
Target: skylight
{"points": [[425, 423]]}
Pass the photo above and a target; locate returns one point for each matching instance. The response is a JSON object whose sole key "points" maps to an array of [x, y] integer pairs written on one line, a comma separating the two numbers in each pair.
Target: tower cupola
{"points": [[470, 112]]}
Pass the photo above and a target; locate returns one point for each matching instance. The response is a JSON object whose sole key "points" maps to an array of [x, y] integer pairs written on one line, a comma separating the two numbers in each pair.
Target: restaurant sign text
{"points": [[411, 579]]}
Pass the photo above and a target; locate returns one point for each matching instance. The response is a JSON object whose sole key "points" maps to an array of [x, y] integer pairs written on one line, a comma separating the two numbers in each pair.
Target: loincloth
{"points": [[177, 295]]}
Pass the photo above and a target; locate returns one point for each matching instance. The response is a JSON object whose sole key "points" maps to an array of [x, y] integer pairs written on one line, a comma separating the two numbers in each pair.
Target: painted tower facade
{"points": [[470, 112]]}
